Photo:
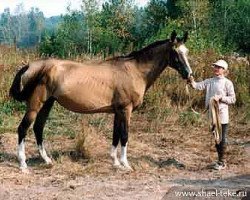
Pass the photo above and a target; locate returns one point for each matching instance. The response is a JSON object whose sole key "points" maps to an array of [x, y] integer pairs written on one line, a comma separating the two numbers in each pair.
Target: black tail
{"points": [[15, 89], [23, 94]]}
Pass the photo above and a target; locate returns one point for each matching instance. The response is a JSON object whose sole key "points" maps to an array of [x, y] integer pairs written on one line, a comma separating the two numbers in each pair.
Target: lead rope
{"points": [[190, 104], [216, 128]]}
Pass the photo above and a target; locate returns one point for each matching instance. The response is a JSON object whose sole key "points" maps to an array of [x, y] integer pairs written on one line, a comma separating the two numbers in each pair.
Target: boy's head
{"points": [[220, 67]]}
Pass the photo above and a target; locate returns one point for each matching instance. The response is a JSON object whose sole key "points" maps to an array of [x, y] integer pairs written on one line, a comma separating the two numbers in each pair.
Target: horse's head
{"points": [[178, 55]]}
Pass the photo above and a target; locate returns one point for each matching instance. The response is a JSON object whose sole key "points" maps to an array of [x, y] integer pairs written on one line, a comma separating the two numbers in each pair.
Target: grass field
{"points": [[169, 144]]}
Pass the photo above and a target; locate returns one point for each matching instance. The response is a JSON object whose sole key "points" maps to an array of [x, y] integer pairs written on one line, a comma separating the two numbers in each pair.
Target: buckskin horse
{"points": [[113, 86]]}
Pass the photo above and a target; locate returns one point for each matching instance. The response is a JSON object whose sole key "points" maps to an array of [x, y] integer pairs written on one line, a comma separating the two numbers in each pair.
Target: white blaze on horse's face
{"points": [[183, 52]]}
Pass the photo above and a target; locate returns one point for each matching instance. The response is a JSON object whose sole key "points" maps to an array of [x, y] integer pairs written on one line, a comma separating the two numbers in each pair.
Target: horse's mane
{"points": [[139, 53]]}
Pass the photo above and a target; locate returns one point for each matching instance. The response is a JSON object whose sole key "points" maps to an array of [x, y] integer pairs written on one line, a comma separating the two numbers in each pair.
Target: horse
{"points": [[116, 85]]}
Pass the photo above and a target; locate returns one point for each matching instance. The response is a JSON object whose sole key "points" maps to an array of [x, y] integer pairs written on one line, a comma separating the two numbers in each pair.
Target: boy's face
{"points": [[218, 71]]}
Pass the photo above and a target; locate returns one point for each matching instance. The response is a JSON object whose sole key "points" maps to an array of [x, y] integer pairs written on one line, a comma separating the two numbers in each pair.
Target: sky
{"points": [[48, 7]]}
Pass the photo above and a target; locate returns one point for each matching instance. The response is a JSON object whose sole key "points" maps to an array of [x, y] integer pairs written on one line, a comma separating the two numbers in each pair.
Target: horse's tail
{"points": [[15, 90], [21, 92]]}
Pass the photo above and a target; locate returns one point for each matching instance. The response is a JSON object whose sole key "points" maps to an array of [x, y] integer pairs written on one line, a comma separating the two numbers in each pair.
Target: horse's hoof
{"points": [[126, 166], [117, 164], [49, 163], [24, 170]]}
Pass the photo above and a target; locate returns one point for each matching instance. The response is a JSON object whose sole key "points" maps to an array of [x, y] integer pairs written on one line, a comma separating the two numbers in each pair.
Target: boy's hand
{"points": [[190, 80], [217, 97]]}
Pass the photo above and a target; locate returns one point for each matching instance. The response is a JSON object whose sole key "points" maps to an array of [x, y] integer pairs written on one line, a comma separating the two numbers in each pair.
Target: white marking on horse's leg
{"points": [[21, 155], [124, 160], [44, 154], [113, 155]]}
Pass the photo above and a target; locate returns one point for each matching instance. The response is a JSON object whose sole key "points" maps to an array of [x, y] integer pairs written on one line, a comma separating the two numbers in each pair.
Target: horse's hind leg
{"points": [[34, 105], [22, 131], [39, 126]]}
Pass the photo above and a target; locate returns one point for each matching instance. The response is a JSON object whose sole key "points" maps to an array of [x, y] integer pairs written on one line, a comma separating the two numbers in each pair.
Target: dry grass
{"points": [[88, 142], [163, 128]]}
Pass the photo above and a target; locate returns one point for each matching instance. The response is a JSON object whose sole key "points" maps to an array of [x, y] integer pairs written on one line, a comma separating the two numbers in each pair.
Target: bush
{"points": [[9, 107], [190, 118]]}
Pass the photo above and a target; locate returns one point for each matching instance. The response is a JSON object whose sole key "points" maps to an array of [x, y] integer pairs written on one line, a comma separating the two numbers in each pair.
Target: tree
{"points": [[21, 29], [156, 16], [36, 25], [231, 23], [20, 24], [5, 27], [174, 9], [71, 35], [90, 8], [117, 20]]}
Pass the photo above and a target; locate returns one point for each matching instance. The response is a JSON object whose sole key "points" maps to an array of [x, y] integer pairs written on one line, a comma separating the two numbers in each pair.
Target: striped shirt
{"points": [[218, 85]]}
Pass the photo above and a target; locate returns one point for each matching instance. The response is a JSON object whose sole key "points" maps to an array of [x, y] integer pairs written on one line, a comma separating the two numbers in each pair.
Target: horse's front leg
{"points": [[125, 122], [116, 138]]}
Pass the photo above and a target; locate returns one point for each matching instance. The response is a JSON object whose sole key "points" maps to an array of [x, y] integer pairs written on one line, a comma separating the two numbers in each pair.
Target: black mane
{"points": [[136, 54]]}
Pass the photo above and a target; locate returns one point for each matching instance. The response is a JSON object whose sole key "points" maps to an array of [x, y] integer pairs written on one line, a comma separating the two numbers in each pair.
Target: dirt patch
{"points": [[164, 162]]}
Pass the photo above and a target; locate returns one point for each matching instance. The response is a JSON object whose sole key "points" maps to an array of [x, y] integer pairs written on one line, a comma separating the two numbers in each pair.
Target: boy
{"points": [[222, 90]]}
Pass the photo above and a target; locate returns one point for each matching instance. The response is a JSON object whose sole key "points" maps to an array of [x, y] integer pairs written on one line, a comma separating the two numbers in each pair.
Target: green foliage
{"points": [[68, 39], [9, 107], [22, 29], [7, 110], [229, 24], [156, 14], [92, 31], [121, 27], [165, 32], [190, 118], [49, 45], [119, 19]]}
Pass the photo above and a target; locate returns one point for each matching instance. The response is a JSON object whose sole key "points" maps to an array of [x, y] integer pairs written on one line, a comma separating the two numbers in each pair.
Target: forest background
{"points": [[120, 26]]}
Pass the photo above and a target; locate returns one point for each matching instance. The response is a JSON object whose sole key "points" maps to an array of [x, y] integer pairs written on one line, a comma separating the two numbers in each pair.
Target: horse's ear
{"points": [[173, 36], [185, 37]]}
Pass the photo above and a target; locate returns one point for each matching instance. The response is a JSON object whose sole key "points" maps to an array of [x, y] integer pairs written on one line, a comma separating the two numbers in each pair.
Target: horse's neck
{"points": [[152, 69]]}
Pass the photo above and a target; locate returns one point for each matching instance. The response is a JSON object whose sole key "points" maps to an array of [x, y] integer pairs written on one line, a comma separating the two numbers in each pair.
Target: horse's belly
{"points": [[84, 100]]}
